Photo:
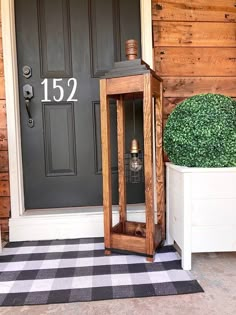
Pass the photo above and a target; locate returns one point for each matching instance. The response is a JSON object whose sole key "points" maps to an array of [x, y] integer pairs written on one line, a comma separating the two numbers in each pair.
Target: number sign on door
{"points": [[59, 95]]}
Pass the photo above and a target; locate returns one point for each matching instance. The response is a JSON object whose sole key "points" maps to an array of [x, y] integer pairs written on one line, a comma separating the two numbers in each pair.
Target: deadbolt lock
{"points": [[27, 72]]}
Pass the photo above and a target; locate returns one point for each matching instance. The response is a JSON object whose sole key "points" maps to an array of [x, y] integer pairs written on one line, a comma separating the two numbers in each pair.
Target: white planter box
{"points": [[201, 210]]}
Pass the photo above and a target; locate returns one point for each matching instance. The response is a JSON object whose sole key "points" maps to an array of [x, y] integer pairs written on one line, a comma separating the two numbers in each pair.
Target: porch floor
{"points": [[216, 273]]}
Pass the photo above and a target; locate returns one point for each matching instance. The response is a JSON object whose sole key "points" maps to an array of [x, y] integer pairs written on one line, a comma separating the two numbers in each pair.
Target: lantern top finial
{"points": [[131, 49]]}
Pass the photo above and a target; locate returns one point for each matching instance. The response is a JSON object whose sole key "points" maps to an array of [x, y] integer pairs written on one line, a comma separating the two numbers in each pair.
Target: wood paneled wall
{"points": [[4, 174], [194, 48]]}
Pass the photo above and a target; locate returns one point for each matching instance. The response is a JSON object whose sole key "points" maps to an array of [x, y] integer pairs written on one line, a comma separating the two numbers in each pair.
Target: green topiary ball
{"points": [[201, 132]]}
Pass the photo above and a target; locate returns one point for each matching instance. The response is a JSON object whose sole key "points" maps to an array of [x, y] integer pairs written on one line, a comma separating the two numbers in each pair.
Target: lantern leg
{"points": [[148, 166], [121, 159], [106, 165], [160, 167]]}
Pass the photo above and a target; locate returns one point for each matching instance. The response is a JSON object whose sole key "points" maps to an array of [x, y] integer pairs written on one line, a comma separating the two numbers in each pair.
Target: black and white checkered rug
{"points": [[62, 271]]}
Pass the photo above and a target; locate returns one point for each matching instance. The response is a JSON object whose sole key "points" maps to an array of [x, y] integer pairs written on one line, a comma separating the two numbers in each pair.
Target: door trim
{"points": [[12, 108], [21, 223]]}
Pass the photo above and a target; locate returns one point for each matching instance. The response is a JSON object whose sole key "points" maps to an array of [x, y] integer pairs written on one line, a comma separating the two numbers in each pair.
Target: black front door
{"points": [[64, 46]]}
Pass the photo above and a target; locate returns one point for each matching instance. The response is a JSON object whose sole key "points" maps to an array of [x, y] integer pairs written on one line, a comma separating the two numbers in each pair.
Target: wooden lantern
{"points": [[128, 79]]}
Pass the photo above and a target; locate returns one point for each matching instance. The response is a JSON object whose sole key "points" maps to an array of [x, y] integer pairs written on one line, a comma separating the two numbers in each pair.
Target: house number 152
{"points": [[72, 82]]}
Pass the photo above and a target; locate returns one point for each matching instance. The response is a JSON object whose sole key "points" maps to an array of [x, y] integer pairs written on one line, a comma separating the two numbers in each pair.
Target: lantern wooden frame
{"points": [[147, 85]]}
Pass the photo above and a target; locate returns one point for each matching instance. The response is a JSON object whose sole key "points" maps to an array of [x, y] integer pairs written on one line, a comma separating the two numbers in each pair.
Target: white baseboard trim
{"points": [[66, 223]]}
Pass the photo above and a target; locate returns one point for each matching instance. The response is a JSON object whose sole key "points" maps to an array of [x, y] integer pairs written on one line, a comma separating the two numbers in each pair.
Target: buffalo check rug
{"points": [[76, 270]]}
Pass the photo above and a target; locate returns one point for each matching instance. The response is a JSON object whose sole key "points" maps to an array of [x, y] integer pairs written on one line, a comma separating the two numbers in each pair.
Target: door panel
{"points": [[102, 40], [54, 23], [59, 135], [69, 44]]}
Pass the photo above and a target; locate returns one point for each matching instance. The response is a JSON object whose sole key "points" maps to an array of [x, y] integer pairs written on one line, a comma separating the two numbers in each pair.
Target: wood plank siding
{"points": [[194, 48], [4, 171]]}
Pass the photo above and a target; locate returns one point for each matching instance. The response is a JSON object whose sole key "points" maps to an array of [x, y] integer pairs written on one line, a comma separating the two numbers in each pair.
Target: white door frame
{"points": [[48, 224]]}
